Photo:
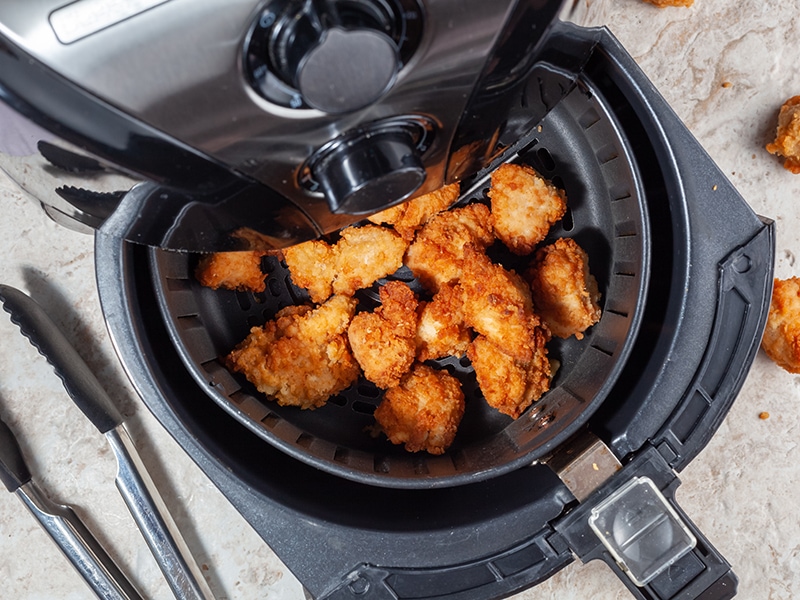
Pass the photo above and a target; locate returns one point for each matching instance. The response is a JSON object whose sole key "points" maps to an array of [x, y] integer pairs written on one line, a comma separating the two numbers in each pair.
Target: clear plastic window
{"points": [[640, 529]]}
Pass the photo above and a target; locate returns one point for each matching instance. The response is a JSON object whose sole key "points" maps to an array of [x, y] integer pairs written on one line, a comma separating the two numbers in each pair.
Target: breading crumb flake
{"points": [[665, 3]]}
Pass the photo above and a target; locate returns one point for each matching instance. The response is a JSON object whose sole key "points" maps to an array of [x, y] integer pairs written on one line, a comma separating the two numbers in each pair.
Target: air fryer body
{"points": [[263, 123]]}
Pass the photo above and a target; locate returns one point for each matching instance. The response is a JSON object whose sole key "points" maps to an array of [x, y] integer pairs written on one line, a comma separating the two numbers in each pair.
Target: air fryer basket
{"points": [[581, 148]]}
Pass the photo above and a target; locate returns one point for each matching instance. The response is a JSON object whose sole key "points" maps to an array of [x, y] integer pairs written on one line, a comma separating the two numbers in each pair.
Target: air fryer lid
{"points": [[581, 148], [231, 151]]}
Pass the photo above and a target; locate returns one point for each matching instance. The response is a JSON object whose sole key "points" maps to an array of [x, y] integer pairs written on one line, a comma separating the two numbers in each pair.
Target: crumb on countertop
{"points": [[664, 3]]}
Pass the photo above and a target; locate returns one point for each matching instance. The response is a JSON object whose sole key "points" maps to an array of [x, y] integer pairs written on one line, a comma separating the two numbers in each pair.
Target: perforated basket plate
{"points": [[578, 146]]}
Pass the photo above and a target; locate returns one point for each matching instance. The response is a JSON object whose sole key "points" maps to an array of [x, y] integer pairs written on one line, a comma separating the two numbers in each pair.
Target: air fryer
{"points": [[590, 470]]}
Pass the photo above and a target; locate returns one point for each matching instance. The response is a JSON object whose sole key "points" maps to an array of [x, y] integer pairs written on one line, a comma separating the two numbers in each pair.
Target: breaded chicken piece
{"points": [[239, 271], [507, 384], [364, 255], [301, 357], [311, 265], [787, 136], [498, 305], [664, 3], [781, 340], [524, 207], [408, 217], [383, 341], [436, 255], [564, 292], [441, 330], [361, 257], [424, 411]]}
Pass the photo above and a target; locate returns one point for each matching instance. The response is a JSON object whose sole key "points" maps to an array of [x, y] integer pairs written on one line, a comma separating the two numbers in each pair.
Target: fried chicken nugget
{"points": [[787, 136], [507, 384], [441, 330], [498, 305], [781, 340], [408, 217], [524, 206], [364, 255], [361, 257], [564, 292], [436, 256], [312, 267], [424, 411], [301, 357], [239, 271], [383, 341]]}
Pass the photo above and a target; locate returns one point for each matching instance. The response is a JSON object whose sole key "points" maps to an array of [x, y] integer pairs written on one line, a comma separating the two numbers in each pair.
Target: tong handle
{"points": [[78, 545], [13, 470], [155, 522]]}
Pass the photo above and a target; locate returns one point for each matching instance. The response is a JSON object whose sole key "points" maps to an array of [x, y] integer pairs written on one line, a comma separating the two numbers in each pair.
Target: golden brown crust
{"points": [[437, 254], [361, 257], [787, 135], [312, 268], [232, 271], [441, 330], [407, 218], [383, 341], [524, 207], [364, 255], [781, 340], [564, 292], [423, 412], [301, 357], [498, 305], [507, 384]]}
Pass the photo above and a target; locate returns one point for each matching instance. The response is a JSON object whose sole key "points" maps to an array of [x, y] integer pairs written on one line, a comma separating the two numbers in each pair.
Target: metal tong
{"points": [[132, 480]]}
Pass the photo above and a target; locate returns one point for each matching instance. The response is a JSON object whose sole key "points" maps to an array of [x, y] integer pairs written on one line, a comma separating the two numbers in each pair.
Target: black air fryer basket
{"points": [[606, 216], [685, 270]]}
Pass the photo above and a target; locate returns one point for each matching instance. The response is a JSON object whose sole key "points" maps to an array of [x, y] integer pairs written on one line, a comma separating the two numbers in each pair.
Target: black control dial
{"points": [[333, 55], [347, 70], [371, 168]]}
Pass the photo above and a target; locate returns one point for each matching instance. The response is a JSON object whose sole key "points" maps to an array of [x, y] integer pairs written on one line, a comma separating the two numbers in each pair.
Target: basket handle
{"points": [[634, 525]]}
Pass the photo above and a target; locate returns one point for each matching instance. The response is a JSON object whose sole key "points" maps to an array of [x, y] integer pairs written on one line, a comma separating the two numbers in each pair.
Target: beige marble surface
{"points": [[741, 490]]}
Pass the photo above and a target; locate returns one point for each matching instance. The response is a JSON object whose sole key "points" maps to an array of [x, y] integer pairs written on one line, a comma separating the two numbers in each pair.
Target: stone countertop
{"points": [[725, 67]]}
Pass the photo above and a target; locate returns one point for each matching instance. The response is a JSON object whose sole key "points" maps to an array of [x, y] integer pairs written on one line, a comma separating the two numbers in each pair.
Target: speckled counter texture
{"points": [[724, 66]]}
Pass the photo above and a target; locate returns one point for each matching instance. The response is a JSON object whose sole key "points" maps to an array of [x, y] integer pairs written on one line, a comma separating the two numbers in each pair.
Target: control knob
{"points": [[367, 171], [336, 69]]}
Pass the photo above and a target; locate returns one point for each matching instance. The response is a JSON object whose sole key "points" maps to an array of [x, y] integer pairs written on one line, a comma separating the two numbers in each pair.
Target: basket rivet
{"points": [[359, 586]]}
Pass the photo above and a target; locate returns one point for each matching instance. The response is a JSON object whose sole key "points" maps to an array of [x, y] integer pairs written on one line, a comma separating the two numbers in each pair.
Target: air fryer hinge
{"points": [[584, 464]]}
